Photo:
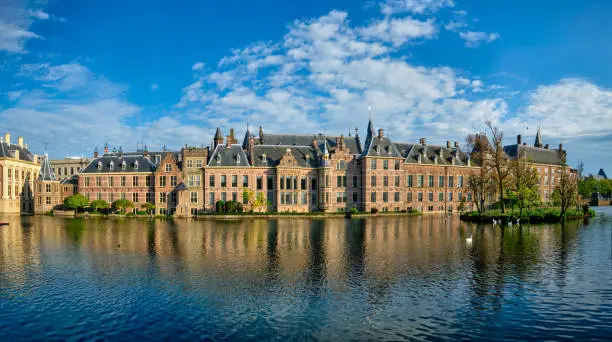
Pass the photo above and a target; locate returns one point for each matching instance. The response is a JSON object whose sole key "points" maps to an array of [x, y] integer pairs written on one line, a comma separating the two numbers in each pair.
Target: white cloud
{"points": [[39, 14], [324, 75], [455, 25], [13, 95], [474, 39], [14, 37], [198, 66], [389, 7], [154, 86], [84, 109]]}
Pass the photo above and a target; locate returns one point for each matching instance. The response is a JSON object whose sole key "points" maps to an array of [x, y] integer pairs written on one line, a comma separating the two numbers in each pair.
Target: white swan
{"points": [[494, 221], [510, 222], [518, 221], [468, 239]]}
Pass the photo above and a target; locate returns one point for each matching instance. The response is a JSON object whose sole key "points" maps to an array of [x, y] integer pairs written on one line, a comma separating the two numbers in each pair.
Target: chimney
{"points": [[20, 141], [314, 143], [546, 147], [356, 131], [341, 141], [105, 148], [519, 139], [261, 135], [337, 141], [381, 134], [456, 144], [423, 141], [524, 144], [560, 147], [252, 150], [96, 152], [7, 138], [448, 144], [232, 136]]}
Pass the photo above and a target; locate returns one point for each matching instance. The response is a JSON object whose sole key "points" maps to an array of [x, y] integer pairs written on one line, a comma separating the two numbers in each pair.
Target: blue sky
{"points": [[77, 74]]}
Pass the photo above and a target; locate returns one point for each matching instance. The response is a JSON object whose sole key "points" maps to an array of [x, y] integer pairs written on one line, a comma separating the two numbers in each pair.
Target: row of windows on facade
{"points": [[58, 171], [27, 193], [193, 180], [385, 164], [24, 174], [164, 197]]}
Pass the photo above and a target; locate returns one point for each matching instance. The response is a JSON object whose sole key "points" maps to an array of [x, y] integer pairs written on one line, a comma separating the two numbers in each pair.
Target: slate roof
{"points": [[46, 172], [306, 140], [70, 180], [181, 187], [224, 156], [534, 154], [6, 151], [602, 173], [103, 164], [433, 154], [273, 155], [378, 147]]}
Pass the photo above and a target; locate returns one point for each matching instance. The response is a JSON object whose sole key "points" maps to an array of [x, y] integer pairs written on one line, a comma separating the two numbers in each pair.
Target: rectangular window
{"points": [[193, 197], [123, 195], [450, 181], [469, 196], [223, 181], [270, 197], [110, 181], [112, 197], [440, 197], [122, 181], [162, 180], [168, 167], [211, 181], [385, 181], [326, 181], [270, 182], [409, 197], [148, 197], [460, 181], [355, 182], [431, 181], [396, 196], [234, 181], [258, 182], [48, 200], [338, 181], [459, 196], [373, 164], [373, 197], [397, 181], [135, 197], [173, 197], [162, 197], [245, 181], [420, 197], [211, 198], [86, 181], [372, 180], [385, 164], [441, 181], [303, 183], [420, 181], [450, 196], [48, 187], [313, 184], [199, 163], [385, 197], [172, 180], [313, 199], [98, 181], [135, 180], [430, 196], [397, 164], [409, 181], [190, 180], [190, 163], [234, 196], [355, 197], [99, 196], [288, 182], [148, 180]]}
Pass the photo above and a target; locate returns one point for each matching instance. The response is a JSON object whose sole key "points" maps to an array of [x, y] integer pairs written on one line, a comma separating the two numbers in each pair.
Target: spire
{"points": [[538, 139], [369, 135], [218, 134], [46, 172], [247, 136]]}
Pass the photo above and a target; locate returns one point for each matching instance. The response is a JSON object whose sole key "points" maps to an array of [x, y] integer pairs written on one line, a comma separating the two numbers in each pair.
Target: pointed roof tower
{"points": [[538, 139], [46, 172], [247, 136], [218, 134], [369, 135]]}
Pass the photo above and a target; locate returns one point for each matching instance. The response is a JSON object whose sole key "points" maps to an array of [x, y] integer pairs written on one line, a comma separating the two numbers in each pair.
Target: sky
{"points": [[75, 75]]}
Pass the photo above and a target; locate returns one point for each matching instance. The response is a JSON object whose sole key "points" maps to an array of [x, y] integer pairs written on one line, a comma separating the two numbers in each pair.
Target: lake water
{"points": [[390, 278]]}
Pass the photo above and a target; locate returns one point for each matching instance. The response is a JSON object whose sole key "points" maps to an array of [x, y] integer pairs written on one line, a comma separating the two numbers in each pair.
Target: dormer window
{"points": [[420, 158], [237, 159], [264, 159], [157, 159], [218, 159], [123, 164], [377, 149], [136, 165], [99, 165], [111, 165]]}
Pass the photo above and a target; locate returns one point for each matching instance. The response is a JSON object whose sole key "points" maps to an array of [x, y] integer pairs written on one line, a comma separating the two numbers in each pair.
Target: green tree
{"points": [[565, 191], [524, 183], [99, 205], [220, 206], [122, 204], [148, 207], [461, 205], [260, 201], [76, 202]]}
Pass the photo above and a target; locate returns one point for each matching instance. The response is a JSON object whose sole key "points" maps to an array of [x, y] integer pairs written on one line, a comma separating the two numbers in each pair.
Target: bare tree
{"points": [[567, 188], [580, 170], [488, 151], [480, 186]]}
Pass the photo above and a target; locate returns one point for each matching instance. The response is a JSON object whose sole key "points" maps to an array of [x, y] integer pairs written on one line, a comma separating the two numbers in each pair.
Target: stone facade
{"points": [[18, 170], [68, 167]]}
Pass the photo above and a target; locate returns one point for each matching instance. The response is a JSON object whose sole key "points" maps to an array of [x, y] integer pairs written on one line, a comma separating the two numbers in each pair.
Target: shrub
{"points": [[140, 212], [374, 211], [220, 206], [230, 207], [354, 211]]}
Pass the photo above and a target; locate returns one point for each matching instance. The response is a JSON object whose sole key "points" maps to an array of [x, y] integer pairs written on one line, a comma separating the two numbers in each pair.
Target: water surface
{"points": [[390, 278]]}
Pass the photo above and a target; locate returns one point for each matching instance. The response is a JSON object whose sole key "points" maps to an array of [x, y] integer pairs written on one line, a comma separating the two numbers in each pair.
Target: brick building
{"points": [[48, 192]]}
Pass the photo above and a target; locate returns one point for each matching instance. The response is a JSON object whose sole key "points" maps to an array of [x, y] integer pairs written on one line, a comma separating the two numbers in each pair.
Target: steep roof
{"points": [[433, 154], [232, 156], [538, 139], [46, 172], [602, 173], [71, 180], [218, 134], [305, 156], [7, 151], [113, 163], [534, 154]]}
